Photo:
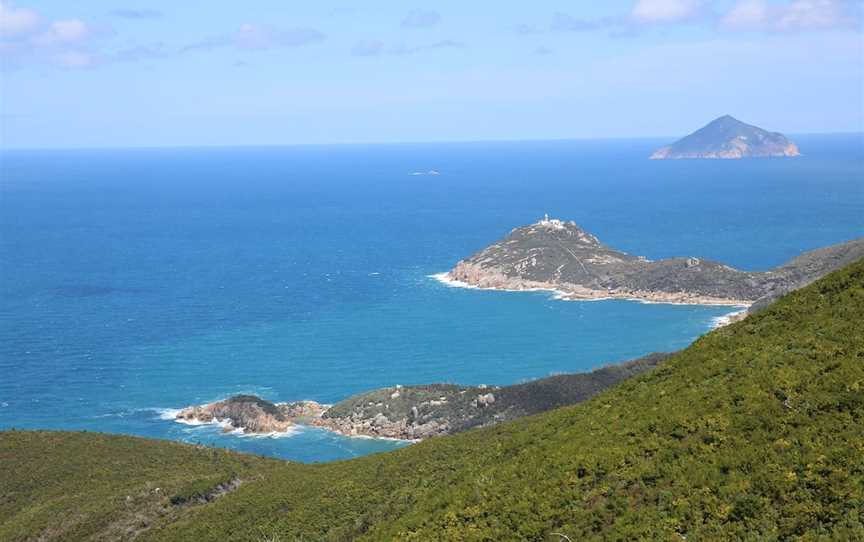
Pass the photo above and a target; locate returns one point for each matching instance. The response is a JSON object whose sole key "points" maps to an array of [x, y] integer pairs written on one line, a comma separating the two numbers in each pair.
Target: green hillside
{"points": [[755, 432]]}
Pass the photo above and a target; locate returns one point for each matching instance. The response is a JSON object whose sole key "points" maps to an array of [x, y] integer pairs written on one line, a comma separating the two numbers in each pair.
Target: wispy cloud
{"points": [[131, 13], [368, 48], [796, 16], [753, 15], [248, 38], [401, 49], [253, 36], [258, 37], [643, 12], [16, 22], [377, 47], [419, 18], [141, 53], [668, 11], [564, 23], [28, 37], [60, 33], [528, 29]]}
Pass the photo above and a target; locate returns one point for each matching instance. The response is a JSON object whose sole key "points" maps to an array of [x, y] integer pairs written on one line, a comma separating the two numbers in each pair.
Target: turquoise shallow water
{"points": [[138, 281]]}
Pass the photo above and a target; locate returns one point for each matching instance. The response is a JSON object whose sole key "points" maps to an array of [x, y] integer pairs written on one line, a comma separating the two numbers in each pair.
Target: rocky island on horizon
{"points": [[728, 138]]}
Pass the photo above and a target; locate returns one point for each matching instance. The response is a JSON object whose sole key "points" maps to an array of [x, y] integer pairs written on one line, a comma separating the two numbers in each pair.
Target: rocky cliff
{"points": [[556, 255], [728, 137]]}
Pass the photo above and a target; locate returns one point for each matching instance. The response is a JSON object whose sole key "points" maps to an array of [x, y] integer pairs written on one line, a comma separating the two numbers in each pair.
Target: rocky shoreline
{"points": [[472, 275], [560, 256], [250, 414], [414, 412]]}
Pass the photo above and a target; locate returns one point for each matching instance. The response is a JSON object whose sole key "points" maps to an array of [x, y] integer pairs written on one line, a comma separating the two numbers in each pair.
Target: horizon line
{"points": [[377, 143]]}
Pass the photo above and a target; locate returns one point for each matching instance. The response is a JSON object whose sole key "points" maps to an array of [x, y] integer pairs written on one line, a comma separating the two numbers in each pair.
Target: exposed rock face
{"points": [[299, 411], [727, 137], [245, 412], [418, 412], [557, 255], [413, 412]]}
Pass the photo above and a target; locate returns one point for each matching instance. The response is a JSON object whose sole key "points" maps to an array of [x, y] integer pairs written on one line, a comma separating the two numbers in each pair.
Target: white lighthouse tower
{"points": [[552, 223]]}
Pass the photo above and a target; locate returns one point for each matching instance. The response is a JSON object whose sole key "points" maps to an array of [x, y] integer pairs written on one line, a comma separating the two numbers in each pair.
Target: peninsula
{"points": [[556, 255], [728, 137], [416, 412]]}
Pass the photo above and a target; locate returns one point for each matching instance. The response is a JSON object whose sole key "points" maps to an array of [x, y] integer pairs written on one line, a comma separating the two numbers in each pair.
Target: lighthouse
{"points": [[551, 223]]}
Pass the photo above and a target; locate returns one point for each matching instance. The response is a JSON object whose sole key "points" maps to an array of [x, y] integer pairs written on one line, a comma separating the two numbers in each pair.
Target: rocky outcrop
{"points": [[418, 412], [300, 411], [727, 137], [556, 255], [407, 412], [251, 414]]}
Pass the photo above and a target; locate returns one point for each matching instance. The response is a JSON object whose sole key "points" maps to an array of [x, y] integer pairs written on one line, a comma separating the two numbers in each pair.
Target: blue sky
{"points": [[161, 73]]}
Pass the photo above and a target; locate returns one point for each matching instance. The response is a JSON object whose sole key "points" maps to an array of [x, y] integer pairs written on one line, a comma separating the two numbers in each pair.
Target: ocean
{"points": [[135, 282]]}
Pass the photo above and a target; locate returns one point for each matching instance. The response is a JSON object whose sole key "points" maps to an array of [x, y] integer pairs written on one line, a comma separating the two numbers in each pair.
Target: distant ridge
{"points": [[728, 137]]}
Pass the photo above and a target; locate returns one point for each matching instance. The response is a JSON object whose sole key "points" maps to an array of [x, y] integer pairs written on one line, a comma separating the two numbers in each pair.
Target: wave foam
{"points": [[444, 278], [726, 319], [292, 431], [166, 413], [224, 428], [170, 414]]}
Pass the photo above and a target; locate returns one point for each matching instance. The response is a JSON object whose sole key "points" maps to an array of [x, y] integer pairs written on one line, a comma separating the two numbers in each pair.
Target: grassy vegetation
{"points": [[75, 486], [755, 432]]}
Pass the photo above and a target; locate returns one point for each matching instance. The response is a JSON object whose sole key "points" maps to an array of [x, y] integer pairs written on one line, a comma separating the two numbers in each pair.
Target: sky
{"points": [[124, 73]]}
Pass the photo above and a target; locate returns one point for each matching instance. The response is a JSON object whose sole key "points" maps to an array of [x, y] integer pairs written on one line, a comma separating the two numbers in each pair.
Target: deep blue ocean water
{"points": [[135, 281]]}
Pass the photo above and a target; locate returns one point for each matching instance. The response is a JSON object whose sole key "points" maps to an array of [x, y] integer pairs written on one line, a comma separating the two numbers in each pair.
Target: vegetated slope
{"points": [[83, 486], [754, 432]]}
